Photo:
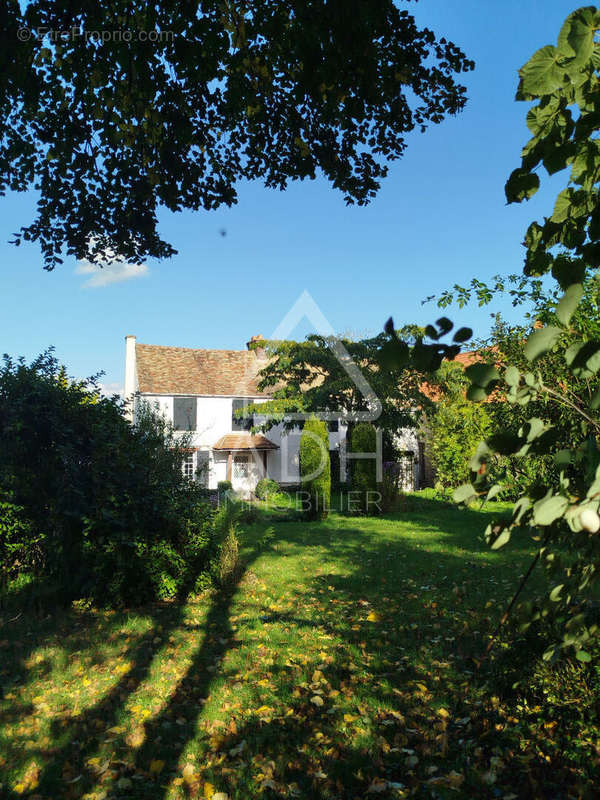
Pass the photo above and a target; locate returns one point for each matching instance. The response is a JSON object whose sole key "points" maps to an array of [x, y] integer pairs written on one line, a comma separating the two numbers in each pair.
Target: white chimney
{"points": [[130, 375]]}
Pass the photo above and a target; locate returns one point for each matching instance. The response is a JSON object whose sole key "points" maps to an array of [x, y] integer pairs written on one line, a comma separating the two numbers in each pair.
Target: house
{"points": [[200, 391]]}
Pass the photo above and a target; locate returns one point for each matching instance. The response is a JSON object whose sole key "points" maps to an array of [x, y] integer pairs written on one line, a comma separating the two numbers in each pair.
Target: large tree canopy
{"points": [[111, 110], [313, 376]]}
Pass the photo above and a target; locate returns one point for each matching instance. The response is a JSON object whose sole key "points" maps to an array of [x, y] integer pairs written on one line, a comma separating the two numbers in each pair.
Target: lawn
{"points": [[340, 666]]}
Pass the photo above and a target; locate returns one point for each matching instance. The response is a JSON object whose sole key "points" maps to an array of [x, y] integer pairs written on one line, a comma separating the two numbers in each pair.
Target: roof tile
{"points": [[181, 370]]}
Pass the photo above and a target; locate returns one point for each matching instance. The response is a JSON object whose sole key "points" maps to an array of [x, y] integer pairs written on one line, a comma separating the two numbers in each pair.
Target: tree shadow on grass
{"points": [[168, 732]]}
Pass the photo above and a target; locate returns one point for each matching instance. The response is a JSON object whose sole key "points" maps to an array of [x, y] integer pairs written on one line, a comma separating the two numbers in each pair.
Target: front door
{"points": [[241, 474]]}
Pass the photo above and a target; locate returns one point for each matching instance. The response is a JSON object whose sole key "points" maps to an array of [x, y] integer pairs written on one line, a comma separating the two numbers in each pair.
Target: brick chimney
{"points": [[254, 344]]}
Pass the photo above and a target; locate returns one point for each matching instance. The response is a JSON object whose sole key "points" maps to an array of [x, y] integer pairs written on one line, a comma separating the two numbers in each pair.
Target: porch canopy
{"points": [[244, 442]]}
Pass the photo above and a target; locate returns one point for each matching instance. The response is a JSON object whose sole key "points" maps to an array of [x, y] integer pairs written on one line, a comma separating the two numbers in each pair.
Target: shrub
{"points": [[96, 506], [455, 428], [266, 487], [21, 547], [315, 468], [227, 563], [224, 488], [364, 471], [391, 494]]}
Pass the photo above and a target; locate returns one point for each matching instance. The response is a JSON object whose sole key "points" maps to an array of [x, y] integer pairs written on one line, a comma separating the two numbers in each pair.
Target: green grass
{"points": [[340, 666]]}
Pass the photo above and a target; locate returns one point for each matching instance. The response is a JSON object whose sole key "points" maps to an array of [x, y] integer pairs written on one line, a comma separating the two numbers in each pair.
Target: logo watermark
{"points": [[305, 308], [74, 34]]}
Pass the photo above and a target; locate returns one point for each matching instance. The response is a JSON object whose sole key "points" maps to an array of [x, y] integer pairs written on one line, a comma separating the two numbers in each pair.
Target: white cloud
{"points": [[108, 389], [106, 273]]}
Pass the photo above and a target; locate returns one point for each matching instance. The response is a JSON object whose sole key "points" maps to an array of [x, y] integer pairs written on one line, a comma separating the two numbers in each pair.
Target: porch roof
{"points": [[244, 441]]}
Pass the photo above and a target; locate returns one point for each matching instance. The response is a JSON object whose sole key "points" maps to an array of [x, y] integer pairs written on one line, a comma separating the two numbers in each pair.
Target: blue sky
{"points": [[440, 218]]}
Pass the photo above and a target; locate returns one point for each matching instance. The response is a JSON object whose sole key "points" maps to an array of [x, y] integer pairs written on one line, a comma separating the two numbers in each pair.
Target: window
{"points": [[184, 413], [187, 466], [334, 425], [240, 423], [202, 467], [241, 467]]}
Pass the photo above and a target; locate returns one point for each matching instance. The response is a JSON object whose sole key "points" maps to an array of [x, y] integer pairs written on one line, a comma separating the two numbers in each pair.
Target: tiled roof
{"points": [[180, 370], [465, 358], [244, 441]]}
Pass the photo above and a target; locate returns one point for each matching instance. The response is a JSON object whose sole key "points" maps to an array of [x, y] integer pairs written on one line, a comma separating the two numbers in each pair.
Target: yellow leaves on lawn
{"points": [[374, 617], [29, 781], [453, 780], [211, 794], [136, 738]]}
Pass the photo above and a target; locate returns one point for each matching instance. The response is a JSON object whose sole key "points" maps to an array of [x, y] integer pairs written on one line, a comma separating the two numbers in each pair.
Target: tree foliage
{"points": [[112, 110], [364, 473], [316, 376], [563, 82], [315, 467]]}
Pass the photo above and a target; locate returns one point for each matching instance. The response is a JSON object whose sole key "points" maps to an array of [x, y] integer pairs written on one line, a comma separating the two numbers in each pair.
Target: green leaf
{"points": [[576, 37], [444, 324], [563, 458], [521, 185], [583, 358], [568, 270], [482, 374], [494, 491], [512, 376], [480, 457], [541, 74], [549, 509], [394, 354], [541, 341], [595, 401], [569, 302], [504, 443], [462, 335], [502, 539], [463, 493], [534, 428], [563, 205], [540, 117], [550, 653], [555, 593], [476, 394], [583, 655]]}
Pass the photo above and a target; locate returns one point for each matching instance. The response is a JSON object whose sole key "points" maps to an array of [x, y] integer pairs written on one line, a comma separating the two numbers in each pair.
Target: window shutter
{"points": [[184, 413]]}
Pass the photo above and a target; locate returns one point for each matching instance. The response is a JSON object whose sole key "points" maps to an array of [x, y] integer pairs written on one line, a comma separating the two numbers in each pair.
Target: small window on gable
{"points": [[184, 413], [243, 423]]}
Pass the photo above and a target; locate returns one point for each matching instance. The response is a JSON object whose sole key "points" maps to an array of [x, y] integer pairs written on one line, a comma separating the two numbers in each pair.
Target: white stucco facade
{"points": [[214, 418]]}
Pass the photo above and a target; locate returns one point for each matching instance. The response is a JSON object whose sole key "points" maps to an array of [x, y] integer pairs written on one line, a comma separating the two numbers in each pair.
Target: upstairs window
{"points": [[243, 423], [334, 425], [184, 413]]}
